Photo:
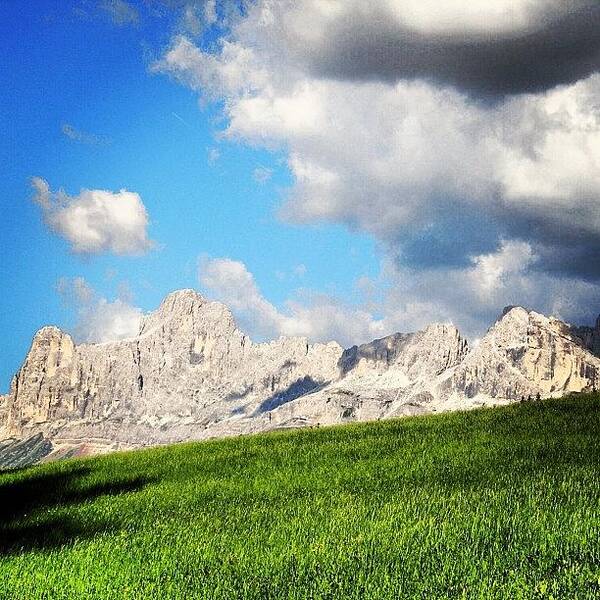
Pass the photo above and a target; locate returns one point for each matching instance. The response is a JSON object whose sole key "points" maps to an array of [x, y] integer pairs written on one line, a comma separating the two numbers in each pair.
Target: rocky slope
{"points": [[191, 374], [188, 368], [524, 355], [397, 375]]}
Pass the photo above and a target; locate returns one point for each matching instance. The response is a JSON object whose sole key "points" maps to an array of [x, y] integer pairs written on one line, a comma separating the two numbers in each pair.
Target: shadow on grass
{"points": [[37, 512]]}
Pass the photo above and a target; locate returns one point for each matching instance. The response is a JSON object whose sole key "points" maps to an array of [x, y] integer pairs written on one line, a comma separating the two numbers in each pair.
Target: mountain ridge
{"points": [[190, 373]]}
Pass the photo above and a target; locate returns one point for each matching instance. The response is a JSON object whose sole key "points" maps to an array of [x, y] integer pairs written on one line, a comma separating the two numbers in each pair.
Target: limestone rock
{"points": [[190, 373], [524, 354], [188, 368], [393, 376]]}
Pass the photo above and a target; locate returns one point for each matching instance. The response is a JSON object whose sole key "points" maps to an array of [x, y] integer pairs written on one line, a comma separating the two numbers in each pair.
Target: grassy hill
{"points": [[494, 503]]}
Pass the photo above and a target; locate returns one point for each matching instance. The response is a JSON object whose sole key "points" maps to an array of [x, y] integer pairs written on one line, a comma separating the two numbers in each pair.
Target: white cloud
{"points": [[480, 16], [109, 322], [75, 291], [493, 271], [471, 297], [83, 137], [197, 16], [235, 286], [98, 319], [319, 317], [507, 189], [210, 12], [120, 12], [96, 221]]}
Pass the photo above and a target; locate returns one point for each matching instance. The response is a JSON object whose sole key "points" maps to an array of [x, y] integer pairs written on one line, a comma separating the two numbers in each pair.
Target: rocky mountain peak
{"points": [[510, 308], [191, 373], [50, 345], [187, 313], [512, 314], [186, 296], [525, 354], [48, 332], [439, 340], [179, 303]]}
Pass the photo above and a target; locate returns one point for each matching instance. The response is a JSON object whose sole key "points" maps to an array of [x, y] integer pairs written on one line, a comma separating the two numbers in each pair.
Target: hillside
{"points": [[491, 503]]}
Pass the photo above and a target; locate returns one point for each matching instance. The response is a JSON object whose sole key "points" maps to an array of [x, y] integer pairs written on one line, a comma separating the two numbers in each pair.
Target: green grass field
{"points": [[494, 503]]}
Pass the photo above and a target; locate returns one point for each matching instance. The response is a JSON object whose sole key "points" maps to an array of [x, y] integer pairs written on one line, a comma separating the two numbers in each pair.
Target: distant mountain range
{"points": [[191, 374]]}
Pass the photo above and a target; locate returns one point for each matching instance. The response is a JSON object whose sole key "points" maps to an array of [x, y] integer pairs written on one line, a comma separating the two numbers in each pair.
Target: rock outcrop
{"points": [[188, 368], [190, 373], [523, 354], [20, 453], [394, 376]]}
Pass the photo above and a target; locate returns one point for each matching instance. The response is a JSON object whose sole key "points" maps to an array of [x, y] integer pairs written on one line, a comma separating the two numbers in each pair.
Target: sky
{"points": [[333, 169]]}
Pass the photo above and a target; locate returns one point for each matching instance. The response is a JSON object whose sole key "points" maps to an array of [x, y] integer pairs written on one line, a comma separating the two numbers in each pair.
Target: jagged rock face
{"points": [[191, 374], [522, 355], [393, 376], [20, 453], [188, 367], [425, 353]]}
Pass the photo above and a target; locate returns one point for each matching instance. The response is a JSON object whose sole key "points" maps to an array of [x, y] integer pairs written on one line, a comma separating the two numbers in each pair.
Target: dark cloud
{"points": [[452, 237], [562, 248], [560, 50]]}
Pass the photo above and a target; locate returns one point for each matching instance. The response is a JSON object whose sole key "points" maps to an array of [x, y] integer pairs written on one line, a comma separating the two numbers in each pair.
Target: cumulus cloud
{"points": [[471, 297], [403, 160], [318, 317], [95, 221], [380, 112], [98, 319], [234, 285]]}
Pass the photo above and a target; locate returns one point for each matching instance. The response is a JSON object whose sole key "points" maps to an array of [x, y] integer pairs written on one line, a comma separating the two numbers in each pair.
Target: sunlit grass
{"points": [[495, 503]]}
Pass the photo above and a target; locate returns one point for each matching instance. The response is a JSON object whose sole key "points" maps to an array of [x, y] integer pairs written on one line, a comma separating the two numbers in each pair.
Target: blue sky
{"points": [[60, 68], [324, 170]]}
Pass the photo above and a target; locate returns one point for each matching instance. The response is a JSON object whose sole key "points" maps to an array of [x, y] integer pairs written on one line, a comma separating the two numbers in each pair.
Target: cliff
{"points": [[190, 373]]}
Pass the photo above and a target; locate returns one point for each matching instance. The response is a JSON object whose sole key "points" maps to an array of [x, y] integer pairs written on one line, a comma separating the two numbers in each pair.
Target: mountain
{"points": [[188, 368], [190, 373], [522, 355]]}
